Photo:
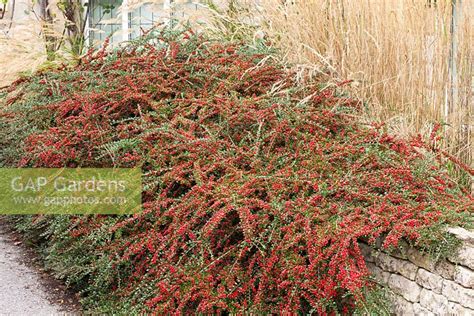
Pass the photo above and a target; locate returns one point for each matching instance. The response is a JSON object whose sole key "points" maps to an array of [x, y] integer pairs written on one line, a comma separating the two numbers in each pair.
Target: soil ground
{"points": [[25, 288]]}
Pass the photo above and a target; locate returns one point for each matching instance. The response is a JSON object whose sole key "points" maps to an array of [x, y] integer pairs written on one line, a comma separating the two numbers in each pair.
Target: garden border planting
{"points": [[257, 184]]}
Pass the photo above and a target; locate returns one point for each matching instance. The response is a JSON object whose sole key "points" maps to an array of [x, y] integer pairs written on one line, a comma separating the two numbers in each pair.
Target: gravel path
{"points": [[22, 288]]}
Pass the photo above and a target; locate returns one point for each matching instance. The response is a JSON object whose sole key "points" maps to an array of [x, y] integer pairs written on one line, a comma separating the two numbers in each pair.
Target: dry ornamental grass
{"points": [[396, 52]]}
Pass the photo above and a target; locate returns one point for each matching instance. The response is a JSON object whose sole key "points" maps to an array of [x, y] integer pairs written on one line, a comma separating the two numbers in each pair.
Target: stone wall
{"points": [[419, 286]]}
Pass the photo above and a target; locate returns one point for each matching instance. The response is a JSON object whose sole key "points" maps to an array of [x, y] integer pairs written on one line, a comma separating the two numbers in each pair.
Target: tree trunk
{"points": [[75, 24], [47, 28]]}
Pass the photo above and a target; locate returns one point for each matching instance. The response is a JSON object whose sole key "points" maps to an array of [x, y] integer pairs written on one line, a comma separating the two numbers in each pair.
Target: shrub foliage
{"points": [[257, 187]]}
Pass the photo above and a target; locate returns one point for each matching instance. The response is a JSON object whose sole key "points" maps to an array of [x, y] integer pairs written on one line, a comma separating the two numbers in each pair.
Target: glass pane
{"points": [[104, 21]]}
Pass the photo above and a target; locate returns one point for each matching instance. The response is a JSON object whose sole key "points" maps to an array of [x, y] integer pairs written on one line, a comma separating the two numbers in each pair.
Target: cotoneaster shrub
{"points": [[257, 187]]}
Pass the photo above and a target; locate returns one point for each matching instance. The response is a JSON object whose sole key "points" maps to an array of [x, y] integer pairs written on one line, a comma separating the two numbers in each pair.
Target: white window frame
{"points": [[125, 21]]}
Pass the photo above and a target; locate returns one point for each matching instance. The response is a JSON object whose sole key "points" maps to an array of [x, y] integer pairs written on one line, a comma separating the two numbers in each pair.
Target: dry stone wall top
{"points": [[420, 286]]}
